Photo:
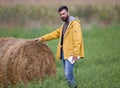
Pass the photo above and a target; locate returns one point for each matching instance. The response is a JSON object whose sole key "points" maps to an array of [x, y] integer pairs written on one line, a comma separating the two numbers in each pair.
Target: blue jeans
{"points": [[68, 70]]}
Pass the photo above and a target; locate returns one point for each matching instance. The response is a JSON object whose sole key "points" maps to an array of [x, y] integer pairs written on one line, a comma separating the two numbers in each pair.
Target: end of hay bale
{"points": [[24, 60]]}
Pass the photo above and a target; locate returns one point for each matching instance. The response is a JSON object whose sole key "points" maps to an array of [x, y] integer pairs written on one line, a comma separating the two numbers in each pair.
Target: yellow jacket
{"points": [[73, 40]]}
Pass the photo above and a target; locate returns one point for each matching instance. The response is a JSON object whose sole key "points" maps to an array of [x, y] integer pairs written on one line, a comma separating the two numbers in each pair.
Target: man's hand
{"points": [[37, 40], [75, 58]]}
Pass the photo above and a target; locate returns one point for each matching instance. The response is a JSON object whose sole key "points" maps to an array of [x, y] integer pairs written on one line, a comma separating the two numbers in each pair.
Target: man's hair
{"points": [[62, 8]]}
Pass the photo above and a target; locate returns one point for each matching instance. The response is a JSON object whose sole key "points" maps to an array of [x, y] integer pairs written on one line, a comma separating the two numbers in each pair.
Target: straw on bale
{"points": [[24, 60]]}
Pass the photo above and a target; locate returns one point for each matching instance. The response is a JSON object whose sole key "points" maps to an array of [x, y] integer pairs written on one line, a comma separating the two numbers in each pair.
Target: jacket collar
{"points": [[71, 18]]}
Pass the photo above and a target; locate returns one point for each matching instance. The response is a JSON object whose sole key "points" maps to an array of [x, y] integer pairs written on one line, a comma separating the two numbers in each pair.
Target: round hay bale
{"points": [[24, 60]]}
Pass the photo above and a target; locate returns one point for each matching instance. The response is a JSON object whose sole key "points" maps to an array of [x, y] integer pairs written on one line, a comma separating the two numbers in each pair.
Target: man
{"points": [[70, 43]]}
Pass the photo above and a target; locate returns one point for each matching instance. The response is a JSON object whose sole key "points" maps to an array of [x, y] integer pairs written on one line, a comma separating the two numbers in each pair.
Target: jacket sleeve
{"points": [[77, 38], [53, 35]]}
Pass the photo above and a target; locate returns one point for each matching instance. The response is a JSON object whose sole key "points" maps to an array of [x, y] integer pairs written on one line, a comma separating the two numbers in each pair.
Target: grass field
{"points": [[32, 13], [99, 69]]}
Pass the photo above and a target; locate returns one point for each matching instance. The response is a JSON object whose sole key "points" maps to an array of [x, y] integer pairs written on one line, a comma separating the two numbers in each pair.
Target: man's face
{"points": [[64, 15]]}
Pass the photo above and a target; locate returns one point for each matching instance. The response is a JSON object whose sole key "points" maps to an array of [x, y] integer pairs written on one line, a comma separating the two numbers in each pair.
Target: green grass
{"points": [[99, 69]]}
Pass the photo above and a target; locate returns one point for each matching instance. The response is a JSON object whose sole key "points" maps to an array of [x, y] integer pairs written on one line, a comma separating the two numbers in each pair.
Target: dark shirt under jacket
{"points": [[62, 37]]}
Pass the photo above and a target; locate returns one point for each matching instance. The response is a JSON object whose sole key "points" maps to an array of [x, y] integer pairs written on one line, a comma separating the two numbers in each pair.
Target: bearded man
{"points": [[70, 45]]}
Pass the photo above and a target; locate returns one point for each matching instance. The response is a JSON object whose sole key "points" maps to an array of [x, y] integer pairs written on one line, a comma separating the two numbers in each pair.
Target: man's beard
{"points": [[65, 19]]}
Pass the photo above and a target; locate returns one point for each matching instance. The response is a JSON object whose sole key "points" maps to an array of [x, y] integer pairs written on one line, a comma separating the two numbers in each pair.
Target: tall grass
{"points": [[21, 15], [100, 67]]}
